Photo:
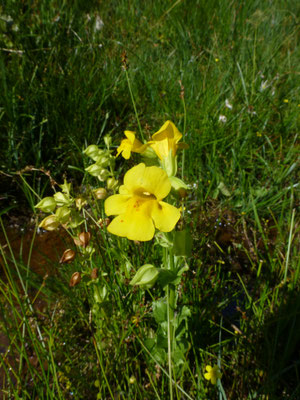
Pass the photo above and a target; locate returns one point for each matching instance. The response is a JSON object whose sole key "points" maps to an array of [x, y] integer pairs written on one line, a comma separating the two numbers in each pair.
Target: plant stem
{"points": [[183, 134], [171, 299]]}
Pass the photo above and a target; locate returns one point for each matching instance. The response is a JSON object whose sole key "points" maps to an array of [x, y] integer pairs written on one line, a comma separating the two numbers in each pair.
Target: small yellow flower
{"points": [[131, 144], [285, 100], [212, 374], [217, 60], [167, 139], [139, 206]]}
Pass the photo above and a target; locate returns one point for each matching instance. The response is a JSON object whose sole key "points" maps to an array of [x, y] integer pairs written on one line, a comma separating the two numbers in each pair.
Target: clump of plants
{"points": [[149, 204]]}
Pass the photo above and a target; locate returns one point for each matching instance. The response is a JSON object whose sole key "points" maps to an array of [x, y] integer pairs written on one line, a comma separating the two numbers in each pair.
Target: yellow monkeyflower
{"points": [[139, 206], [167, 139], [212, 374], [131, 144]]}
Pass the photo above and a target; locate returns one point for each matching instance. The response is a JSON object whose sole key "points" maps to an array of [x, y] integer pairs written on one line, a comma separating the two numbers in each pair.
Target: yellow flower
{"points": [[139, 206], [212, 374], [131, 144], [167, 139]]}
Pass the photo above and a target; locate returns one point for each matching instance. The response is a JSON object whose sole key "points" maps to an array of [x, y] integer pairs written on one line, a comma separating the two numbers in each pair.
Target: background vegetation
{"points": [[62, 88]]}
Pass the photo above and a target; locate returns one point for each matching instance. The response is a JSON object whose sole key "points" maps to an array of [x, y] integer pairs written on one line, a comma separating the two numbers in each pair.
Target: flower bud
{"points": [[145, 277], [47, 204], [100, 193], [63, 214], [112, 183], [67, 257], [62, 199], [49, 223], [92, 151], [75, 279], [83, 239]]}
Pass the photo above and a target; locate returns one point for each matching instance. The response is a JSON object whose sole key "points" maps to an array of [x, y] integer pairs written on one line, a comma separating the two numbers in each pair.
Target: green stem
{"points": [[183, 134], [134, 106], [171, 300]]}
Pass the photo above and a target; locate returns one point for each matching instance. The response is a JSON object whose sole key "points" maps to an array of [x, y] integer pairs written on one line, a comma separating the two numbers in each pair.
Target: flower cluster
{"points": [[64, 209], [139, 207], [164, 145]]}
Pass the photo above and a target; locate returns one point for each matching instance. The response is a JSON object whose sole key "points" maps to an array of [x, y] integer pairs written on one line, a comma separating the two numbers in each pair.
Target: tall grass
{"points": [[62, 88]]}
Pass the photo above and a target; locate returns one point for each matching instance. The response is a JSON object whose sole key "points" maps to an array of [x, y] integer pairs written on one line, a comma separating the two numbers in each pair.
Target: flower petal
{"points": [[161, 148], [130, 136], [116, 204], [168, 130], [134, 226], [165, 216], [152, 180], [156, 181], [207, 376]]}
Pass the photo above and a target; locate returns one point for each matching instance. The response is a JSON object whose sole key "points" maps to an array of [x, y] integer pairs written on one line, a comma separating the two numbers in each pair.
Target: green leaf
{"points": [[160, 311], [166, 277]]}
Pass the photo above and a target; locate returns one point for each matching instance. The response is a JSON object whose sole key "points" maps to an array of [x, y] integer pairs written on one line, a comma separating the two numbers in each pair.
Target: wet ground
{"points": [[40, 253]]}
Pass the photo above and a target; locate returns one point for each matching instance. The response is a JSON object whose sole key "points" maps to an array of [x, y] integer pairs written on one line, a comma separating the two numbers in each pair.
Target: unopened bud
{"points": [[132, 380], [83, 239], [75, 279], [47, 204], [94, 273], [49, 223], [100, 193], [67, 257]]}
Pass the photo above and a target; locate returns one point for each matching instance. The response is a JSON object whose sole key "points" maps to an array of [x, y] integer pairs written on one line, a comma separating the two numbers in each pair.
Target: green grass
{"points": [[63, 88]]}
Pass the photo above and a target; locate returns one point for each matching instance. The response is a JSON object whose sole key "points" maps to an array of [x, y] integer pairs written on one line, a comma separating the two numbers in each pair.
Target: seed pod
{"points": [[47, 204], [83, 239], [94, 273], [67, 257], [75, 279], [100, 193], [112, 183], [49, 223]]}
